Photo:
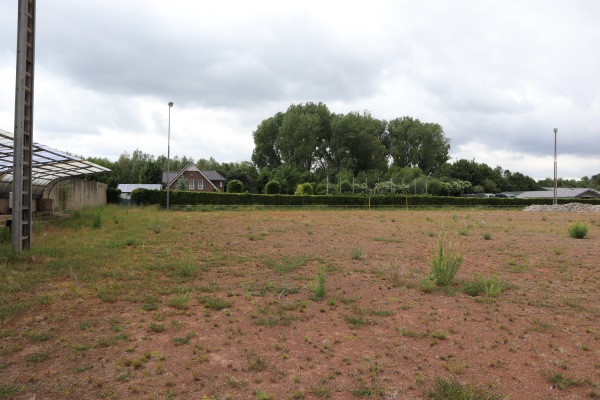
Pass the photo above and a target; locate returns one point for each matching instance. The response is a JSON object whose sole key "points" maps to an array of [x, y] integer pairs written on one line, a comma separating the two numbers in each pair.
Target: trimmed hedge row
{"points": [[147, 197]]}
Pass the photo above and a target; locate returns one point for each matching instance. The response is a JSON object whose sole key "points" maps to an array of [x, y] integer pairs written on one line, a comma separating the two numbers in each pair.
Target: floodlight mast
{"points": [[22, 205], [555, 168], [169, 154]]}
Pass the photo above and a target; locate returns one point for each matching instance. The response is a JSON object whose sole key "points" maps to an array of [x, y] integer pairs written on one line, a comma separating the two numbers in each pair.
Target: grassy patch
{"points": [[454, 390], [38, 356], [179, 302], [8, 390], [318, 288], [269, 288], [214, 303], [490, 286], [178, 341], [286, 264], [562, 382]]}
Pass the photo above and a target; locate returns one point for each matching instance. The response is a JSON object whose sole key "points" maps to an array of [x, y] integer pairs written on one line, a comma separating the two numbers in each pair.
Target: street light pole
{"points": [[555, 169], [169, 154]]}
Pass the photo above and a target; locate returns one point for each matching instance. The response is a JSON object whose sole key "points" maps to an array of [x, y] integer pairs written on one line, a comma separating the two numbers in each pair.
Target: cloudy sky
{"points": [[497, 75]]}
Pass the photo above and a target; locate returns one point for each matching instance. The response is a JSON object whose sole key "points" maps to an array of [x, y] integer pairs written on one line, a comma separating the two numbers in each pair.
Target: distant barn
{"points": [[561, 193]]}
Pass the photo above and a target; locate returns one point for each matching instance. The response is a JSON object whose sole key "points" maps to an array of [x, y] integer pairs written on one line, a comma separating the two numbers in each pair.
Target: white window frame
{"points": [[191, 184], [200, 184]]}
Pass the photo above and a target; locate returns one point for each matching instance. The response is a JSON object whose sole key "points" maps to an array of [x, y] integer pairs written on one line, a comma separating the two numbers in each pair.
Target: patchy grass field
{"points": [[140, 303]]}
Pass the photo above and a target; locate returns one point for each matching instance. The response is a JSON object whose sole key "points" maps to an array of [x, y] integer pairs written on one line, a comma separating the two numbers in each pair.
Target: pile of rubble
{"points": [[570, 207]]}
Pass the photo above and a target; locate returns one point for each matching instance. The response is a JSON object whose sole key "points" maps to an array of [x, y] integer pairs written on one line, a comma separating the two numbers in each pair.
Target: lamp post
{"points": [[169, 154], [555, 170]]}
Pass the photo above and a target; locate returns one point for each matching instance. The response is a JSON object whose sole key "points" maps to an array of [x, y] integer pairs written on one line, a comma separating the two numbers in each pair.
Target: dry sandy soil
{"points": [[247, 322]]}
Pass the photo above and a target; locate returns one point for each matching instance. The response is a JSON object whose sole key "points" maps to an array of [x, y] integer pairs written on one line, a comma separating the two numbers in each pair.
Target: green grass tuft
{"points": [[445, 264], [214, 303], [318, 288], [578, 230]]}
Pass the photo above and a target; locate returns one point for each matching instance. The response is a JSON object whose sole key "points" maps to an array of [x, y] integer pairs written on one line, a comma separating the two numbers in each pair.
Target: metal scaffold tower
{"points": [[22, 158]]}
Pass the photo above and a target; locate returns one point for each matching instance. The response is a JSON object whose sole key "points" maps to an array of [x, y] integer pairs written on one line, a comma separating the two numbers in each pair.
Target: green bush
{"points": [[445, 264], [273, 187], [235, 186], [304, 189], [578, 230]]}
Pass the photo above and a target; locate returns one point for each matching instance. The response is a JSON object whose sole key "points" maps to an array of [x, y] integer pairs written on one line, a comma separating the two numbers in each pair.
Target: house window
{"points": [[220, 183], [191, 184], [200, 184]]}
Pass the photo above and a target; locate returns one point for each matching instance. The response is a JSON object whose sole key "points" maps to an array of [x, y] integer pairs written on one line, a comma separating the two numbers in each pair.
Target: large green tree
{"points": [[356, 143], [266, 154], [415, 143], [479, 174], [303, 135], [151, 172]]}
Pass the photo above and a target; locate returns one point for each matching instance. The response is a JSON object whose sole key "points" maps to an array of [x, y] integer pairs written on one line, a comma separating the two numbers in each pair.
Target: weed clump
{"points": [[445, 263], [214, 303], [96, 221], [318, 288], [578, 230], [356, 253]]}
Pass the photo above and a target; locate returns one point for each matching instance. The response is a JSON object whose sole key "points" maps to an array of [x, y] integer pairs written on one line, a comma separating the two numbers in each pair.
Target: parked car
{"points": [[505, 195]]}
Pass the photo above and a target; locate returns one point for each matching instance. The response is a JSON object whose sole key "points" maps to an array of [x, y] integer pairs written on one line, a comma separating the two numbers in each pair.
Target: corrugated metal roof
{"points": [[130, 187], [563, 193], [47, 165]]}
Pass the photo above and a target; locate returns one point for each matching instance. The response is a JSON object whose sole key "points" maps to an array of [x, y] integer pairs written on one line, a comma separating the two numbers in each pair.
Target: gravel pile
{"points": [[570, 207]]}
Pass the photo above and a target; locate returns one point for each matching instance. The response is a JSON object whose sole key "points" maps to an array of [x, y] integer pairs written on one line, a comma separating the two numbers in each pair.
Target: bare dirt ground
{"points": [[247, 322]]}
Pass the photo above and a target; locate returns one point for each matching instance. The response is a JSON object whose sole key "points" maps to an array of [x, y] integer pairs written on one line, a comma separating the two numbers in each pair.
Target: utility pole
{"points": [[23, 135], [555, 169]]}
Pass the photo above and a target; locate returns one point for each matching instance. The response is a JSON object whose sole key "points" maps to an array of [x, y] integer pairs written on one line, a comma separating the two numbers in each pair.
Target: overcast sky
{"points": [[498, 76]]}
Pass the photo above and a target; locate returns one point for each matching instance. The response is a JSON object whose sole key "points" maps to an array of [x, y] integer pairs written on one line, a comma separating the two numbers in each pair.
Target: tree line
{"points": [[310, 150]]}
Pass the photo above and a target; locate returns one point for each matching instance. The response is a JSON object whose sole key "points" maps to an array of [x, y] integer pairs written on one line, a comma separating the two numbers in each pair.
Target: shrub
{"points": [[445, 264], [305, 189], [273, 187], [235, 186], [578, 230]]}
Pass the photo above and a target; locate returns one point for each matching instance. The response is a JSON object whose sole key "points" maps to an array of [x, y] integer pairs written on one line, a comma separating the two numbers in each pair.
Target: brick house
{"points": [[195, 180]]}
